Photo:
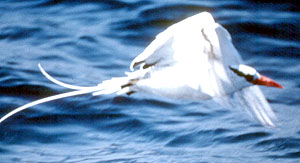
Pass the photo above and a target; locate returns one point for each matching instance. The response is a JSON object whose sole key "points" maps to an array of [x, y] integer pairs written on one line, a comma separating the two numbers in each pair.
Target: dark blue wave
{"points": [[85, 42]]}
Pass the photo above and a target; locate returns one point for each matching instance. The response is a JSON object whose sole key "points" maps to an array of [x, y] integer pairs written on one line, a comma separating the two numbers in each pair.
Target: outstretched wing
{"points": [[179, 43]]}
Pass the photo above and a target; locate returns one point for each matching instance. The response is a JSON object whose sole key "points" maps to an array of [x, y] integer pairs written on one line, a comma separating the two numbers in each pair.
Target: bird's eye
{"points": [[249, 73]]}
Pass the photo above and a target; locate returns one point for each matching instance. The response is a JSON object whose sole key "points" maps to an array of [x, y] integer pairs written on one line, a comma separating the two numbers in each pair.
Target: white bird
{"points": [[193, 59]]}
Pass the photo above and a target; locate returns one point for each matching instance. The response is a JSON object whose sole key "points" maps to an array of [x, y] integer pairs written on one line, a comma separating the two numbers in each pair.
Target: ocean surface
{"points": [[85, 42]]}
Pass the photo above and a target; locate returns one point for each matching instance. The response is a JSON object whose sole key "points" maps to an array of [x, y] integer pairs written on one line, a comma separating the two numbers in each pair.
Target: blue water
{"points": [[85, 42]]}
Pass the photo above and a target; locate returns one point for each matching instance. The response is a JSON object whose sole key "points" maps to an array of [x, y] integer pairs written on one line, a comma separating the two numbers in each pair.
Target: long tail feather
{"points": [[106, 87], [47, 99], [59, 82], [79, 91]]}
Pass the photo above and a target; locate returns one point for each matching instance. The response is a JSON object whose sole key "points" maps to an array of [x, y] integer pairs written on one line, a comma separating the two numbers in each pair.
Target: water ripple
{"points": [[85, 42]]}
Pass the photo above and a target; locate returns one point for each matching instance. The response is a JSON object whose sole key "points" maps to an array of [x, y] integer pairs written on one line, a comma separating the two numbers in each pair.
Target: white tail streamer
{"points": [[79, 91], [59, 82], [47, 99]]}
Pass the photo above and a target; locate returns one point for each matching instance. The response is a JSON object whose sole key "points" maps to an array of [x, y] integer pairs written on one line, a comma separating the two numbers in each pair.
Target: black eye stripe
{"points": [[248, 77], [239, 73]]}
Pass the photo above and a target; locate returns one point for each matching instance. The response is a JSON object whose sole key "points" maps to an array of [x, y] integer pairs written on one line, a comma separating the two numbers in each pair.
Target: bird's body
{"points": [[189, 60]]}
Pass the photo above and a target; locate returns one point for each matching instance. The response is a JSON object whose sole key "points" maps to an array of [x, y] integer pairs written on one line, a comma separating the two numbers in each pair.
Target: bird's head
{"points": [[252, 76]]}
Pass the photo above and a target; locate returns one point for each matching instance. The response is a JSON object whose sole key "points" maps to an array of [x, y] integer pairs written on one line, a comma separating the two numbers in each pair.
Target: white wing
{"points": [[179, 43]]}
